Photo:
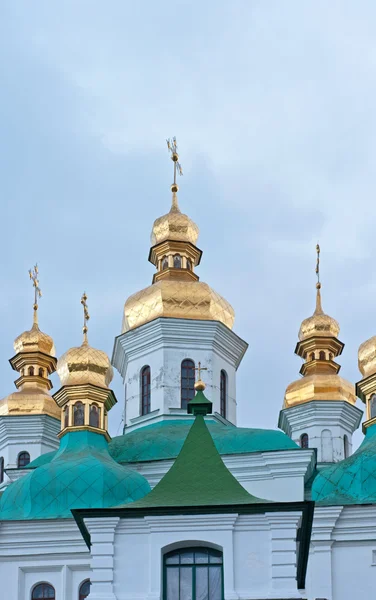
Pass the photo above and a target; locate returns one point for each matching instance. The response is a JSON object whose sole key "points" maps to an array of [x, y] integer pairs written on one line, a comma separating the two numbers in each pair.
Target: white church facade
{"points": [[186, 504]]}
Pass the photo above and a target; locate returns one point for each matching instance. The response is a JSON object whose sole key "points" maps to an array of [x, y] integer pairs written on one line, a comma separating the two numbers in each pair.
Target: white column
{"points": [[102, 533], [320, 556]]}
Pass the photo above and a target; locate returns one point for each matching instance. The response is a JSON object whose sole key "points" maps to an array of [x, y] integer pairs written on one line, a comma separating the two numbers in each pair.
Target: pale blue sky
{"points": [[273, 106]]}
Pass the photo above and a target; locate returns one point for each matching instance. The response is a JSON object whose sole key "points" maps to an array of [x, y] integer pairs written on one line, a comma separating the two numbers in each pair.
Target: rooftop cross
{"points": [[34, 274], [200, 385], [173, 148], [86, 316], [318, 284]]}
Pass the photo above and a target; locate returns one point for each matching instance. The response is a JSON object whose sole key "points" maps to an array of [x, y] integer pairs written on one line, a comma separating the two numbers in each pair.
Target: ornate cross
{"points": [[86, 315], [34, 273], [173, 148], [318, 285], [199, 369]]}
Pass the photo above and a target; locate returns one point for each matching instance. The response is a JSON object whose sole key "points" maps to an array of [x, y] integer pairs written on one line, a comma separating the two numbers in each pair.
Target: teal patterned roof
{"points": [[81, 474], [165, 439], [351, 481]]}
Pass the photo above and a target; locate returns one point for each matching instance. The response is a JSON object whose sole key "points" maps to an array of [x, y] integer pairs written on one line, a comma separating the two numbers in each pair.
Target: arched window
{"points": [[177, 261], [193, 573], [22, 372], [304, 441], [31, 370], [330, 356], [1, 469], [326, 446], [145, 390], [43, 590], [164, 263], [346, 446], [189, 264], [187, 382], [78, 414], [66, 416], [94, 416], [41, 372], [223, 393], [322, 355], [372, 406], [23, 459], [313, 356], [84, 590]]}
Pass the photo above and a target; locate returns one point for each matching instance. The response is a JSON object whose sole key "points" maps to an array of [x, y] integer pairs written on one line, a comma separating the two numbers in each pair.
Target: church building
{"points": [[186, 504]]}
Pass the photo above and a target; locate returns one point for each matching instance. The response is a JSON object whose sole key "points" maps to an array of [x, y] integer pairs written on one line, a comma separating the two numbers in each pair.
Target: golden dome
{"points": [[30, 401], [174, 226], [85, 364], [34, 340], [320, 386], [179, 300], [367, 357], [319, 324]]}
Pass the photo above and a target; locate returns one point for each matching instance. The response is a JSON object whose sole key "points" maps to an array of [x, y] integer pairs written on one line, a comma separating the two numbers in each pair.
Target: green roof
{"points": [[351, 481], [81, 474], [198, 477]]}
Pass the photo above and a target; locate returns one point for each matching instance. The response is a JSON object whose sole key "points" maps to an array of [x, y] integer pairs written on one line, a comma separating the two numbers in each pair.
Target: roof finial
{"points": [[200, 385], [318, 309], [173, 148], [33, 274], [86, 316]]}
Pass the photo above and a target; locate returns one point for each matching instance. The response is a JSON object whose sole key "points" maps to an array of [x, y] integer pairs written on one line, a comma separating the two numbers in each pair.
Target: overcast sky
{"points": [[273, 105]]}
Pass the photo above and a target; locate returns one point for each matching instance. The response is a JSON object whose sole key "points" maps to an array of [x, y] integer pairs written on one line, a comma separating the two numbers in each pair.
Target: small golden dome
{"points": [[85, 364], [319, 324], [30, 401], [174, 226], [367, 357], [34, 340], [320, 386], [179, 300]]}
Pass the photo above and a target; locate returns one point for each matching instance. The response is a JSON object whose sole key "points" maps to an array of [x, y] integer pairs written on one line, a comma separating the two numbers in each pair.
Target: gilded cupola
{"points": [[35, 361], [176, 291], [319, 346], [85, 374], [366, 387]]}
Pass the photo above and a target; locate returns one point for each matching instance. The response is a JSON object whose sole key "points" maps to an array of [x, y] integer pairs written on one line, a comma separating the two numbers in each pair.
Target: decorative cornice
{"points": [[320, 413]]}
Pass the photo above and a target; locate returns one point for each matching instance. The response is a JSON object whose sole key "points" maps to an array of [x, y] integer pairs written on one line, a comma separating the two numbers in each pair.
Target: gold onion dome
{"points": [[367, 357], [319, 324], [174, 226], [84, 364], [34, 340]]}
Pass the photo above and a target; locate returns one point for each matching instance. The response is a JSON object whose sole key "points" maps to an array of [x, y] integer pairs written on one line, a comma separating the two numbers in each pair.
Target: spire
{"points": [[318, 309], [34, 276], [86, 317], [173, 148]]}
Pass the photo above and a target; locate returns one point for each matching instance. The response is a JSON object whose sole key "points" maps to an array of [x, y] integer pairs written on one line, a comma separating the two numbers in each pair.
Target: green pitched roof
{"points": [[198, 477], [81, 474], [351, 481]]}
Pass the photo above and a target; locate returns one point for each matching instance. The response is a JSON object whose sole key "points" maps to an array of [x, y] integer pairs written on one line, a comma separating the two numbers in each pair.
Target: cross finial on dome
{"points": [[86, 316], [318, 309], [200, 385], [34, 276], [173, 148]]}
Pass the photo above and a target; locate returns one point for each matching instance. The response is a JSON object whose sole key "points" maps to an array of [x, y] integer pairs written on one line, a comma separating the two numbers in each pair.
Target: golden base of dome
{"points": [[179, 300], [29, 402], [320, 386]]}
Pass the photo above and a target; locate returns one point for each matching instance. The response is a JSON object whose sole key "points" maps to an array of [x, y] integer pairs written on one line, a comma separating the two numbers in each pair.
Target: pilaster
{"points": [[324, 522], [102, 532]]}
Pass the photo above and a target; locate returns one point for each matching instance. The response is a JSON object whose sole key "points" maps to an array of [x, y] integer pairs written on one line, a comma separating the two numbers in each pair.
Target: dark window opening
{"points": [[43, 590], [78, 414], [193, 574], [145, 390], [164, 263], [346, 446], [66, 416], [95, 415], [41, 373], [187, 382], [31, 370], [189, 264], [372, 406], [1, 469], [23, 459], [84, 590], [223, 394], [304, 441], [322, 355], [177, 261], [313, 356]]}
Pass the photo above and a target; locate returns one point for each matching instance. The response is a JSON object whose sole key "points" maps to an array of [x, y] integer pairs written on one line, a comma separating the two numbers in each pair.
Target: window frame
{"points": [[43, 583], [76, 404], [145, 406], [192, 565], [191, 380], [22, 454], [80, 594], [305, 445], [223, 394]]}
